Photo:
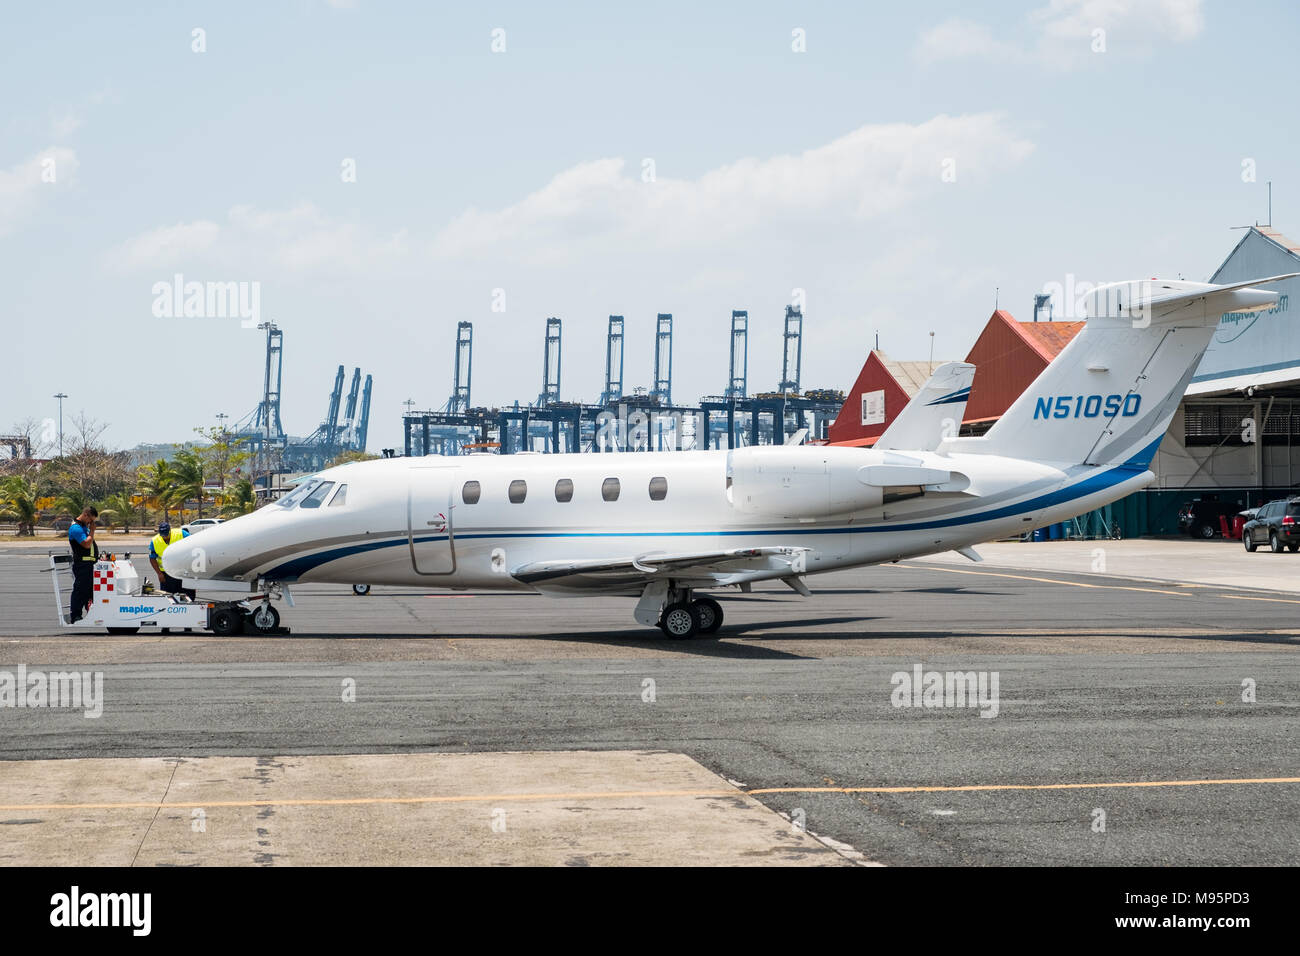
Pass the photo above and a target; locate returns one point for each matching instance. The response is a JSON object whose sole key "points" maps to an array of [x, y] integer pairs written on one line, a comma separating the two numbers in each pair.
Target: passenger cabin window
{"points": [[518, 491], [658, 489], [317, 496], [471, 492], [340, 497], [564, 489], [609, 489]]}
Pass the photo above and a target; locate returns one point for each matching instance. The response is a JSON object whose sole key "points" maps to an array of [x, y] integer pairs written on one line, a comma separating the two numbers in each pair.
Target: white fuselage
{"points": [[411, 521]]}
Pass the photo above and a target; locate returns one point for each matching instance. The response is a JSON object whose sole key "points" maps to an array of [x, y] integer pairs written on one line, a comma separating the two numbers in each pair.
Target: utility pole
{"points": [[225, 455], [61, 396], [931, 353]]}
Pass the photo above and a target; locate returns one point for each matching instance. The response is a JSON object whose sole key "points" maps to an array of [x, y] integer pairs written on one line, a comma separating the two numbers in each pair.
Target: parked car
{"points": [[1277, 524], [1200, 518], [198, 524]]}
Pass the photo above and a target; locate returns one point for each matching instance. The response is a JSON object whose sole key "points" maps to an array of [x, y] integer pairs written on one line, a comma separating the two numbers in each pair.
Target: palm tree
{"points": [[158, 485], [71, 502], [239, 499], [117, 509], [187, 474], [18, 503]]}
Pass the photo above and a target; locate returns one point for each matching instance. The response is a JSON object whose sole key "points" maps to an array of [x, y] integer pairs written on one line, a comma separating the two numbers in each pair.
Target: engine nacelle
{"points": [[800, 481]]}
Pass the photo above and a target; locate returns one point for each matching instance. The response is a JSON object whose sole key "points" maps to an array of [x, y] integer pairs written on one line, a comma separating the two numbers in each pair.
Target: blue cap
{"points": [[164, 527]]}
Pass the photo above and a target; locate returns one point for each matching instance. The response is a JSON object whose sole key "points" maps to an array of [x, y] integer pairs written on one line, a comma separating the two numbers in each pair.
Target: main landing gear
{"points": [[677, 611], [686, 618]]}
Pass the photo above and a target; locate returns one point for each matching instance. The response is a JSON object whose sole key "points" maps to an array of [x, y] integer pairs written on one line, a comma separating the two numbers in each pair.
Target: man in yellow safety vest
{"points": [[157, 546]]}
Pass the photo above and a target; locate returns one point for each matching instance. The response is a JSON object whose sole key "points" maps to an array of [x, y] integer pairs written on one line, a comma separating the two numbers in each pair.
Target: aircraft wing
{"points": [[692, 568]]}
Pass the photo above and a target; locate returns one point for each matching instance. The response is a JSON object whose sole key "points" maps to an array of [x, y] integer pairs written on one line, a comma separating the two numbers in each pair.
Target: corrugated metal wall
{"points": [[1005, 365]]}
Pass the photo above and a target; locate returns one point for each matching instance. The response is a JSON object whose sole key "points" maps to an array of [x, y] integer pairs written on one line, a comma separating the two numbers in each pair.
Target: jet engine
{"points": [[810, 482]]}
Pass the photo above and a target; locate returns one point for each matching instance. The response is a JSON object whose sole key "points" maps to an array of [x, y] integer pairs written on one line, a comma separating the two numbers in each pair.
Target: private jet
{"points": [[665, 527]]}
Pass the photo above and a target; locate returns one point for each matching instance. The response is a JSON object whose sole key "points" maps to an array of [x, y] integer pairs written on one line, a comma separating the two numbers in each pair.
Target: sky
{"points": [[368, 174]]}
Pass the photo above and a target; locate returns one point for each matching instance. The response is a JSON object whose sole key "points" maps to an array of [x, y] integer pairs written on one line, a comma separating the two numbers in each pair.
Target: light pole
{"points": [[61, 396], [225, 452]]}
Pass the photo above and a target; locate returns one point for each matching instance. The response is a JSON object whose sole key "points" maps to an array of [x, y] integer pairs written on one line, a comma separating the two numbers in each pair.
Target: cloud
{"points": [[600, 205], [66, 124], [603, 208], [1063, 33], [24, 186], [298, 239], [958, 38], [67, 121], [1176, 20], [166, 246]]}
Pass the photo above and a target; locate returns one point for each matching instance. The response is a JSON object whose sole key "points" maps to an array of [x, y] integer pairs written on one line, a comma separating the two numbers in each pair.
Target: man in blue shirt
{"points": [[81, 540]]}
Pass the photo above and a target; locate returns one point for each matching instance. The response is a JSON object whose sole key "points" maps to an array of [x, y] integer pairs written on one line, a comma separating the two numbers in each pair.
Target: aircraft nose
{"points": [[197, 556]]}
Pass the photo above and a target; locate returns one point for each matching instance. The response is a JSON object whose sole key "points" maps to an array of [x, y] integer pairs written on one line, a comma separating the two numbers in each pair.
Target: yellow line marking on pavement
{"points": [[1028, 786], [1107, 587], [628, 794]]}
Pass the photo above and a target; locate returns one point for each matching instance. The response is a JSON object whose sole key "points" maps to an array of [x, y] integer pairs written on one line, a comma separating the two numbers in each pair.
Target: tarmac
{"points": [[1146, 711]]}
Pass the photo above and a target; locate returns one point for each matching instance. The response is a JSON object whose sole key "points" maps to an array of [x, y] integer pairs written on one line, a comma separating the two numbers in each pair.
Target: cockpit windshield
{"points": [[302, 491], [318, 495]]}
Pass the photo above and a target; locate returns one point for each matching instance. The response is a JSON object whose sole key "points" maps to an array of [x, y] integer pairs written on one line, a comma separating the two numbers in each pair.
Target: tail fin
{"points": [[1111, 393], [934, 413]]}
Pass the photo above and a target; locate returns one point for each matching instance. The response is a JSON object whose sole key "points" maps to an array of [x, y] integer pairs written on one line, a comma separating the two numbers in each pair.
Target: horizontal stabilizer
{"points": [[1157, 300]]}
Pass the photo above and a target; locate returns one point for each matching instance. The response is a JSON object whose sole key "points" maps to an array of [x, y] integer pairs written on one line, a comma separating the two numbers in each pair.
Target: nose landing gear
{"points": [[264, 619]]}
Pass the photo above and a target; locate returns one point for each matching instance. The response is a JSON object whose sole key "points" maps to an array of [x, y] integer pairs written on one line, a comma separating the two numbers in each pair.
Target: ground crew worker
{"points": [[157, 547], [81, 540]]}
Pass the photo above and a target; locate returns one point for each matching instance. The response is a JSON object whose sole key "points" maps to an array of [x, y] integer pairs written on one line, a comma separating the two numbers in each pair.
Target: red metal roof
{"points": [[1007, 357], [898, 380]]}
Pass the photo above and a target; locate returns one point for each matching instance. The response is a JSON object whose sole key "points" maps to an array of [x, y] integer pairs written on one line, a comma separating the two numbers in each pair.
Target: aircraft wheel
{"points": [[361, 589], [226, 622], [124, 630], [264, 619], [680, 621], [710, 612]]}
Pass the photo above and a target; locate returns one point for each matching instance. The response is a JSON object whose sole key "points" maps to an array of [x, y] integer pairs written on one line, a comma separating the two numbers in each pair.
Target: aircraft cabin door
{"points": [[428, 518]]}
